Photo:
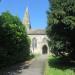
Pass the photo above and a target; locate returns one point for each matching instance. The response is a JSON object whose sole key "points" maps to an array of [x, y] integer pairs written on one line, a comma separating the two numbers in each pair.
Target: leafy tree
{"points": [[61, 27], [14, 42]]}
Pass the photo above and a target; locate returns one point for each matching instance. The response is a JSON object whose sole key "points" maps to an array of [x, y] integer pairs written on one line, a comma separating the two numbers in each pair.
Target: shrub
{"points": [[14, 42]]}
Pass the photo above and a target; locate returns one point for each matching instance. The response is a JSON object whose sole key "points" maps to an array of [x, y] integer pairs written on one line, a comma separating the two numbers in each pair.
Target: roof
{"points": [[37, 32]]}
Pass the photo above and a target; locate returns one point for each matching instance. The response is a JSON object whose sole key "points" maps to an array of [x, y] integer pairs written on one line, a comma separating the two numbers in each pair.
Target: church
{"points": [[38, 37]]}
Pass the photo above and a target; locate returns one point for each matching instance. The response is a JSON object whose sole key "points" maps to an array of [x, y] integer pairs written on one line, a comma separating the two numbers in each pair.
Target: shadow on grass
{"points": [[61, 63]]}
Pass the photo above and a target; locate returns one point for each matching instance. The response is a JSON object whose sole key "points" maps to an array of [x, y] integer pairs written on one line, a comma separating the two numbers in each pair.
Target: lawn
{"points": [[59, 66]]}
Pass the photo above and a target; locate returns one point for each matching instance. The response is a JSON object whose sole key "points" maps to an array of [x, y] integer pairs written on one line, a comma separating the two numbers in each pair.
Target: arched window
{"points": [[44, 40], [34, 43]]}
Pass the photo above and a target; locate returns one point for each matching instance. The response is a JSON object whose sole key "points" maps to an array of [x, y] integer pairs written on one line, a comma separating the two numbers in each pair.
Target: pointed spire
{"points": [[26, 19]]}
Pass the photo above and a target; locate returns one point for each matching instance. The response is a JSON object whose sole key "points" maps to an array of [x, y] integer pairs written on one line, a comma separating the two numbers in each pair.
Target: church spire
{"points": [[26, 19]]}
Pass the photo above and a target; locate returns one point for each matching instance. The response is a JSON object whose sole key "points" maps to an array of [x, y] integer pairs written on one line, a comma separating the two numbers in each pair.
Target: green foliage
{"points": [[14, 42], [61, 27]]}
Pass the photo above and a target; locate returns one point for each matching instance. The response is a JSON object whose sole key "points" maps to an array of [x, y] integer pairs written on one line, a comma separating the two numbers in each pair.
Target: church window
{"points": [[44, 40], [34, 43]]}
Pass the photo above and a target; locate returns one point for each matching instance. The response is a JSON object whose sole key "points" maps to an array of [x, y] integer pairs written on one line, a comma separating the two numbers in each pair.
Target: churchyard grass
{"points": [[55, 67]]}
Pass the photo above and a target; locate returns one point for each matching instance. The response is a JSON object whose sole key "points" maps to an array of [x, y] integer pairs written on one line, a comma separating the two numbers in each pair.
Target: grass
{"points": [[59, 66]]}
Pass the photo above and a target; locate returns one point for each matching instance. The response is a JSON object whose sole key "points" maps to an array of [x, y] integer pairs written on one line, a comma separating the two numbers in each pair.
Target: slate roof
{"points": [[37, 32]]}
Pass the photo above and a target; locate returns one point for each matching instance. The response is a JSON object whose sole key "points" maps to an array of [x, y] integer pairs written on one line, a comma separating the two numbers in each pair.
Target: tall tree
{"points": [[61, 27]]}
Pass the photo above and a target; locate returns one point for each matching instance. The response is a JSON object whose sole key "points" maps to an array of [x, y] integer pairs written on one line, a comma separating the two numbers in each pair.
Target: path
{"points": [[36, 67]]}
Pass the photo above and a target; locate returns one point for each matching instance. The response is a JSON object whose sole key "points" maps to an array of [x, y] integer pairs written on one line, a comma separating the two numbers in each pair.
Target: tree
{"points": [[61, 27], [14, 42]]}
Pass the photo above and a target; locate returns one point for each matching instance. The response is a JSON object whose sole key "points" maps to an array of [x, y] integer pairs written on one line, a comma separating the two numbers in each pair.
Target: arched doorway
{"points": [[44, 49]]}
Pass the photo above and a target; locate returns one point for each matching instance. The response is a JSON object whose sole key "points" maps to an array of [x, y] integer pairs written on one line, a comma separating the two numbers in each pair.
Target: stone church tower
{"points": [[39, 44]]}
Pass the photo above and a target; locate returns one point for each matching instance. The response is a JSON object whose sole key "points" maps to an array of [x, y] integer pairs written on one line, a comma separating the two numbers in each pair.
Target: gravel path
{"points": [[35, 68]]}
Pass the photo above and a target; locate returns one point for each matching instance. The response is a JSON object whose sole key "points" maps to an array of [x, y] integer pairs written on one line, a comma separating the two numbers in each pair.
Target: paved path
{"points": [[36, 67]]}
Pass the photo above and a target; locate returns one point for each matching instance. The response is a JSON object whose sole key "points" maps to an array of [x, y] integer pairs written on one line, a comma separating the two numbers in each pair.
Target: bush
{"points": [[14, 42]]}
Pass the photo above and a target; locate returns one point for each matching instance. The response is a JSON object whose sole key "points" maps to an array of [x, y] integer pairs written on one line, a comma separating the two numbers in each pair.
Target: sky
{"points": [[37, 10]]}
